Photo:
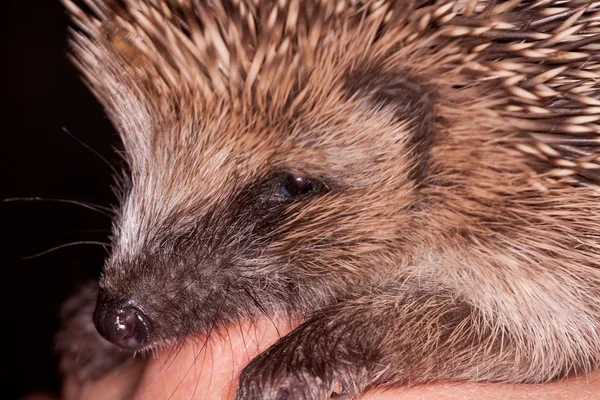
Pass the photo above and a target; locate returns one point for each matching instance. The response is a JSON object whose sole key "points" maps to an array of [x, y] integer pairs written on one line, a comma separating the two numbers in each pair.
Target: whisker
{"points": [[180, 291], [201, 369], [62, 246], [262, 309], [232, 360], [213, 326], [177, 349], [170, 358], [244, 339], [212, 369], [194, 361], [90, 206], [88, 147], [180, 347]]}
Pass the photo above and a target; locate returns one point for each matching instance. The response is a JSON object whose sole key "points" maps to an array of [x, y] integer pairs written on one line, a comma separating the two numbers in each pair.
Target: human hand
{"points": [[200, 370]]}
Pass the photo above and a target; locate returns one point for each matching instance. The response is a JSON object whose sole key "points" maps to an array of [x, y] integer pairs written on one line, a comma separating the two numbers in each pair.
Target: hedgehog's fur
{"points": [[459, 143]]}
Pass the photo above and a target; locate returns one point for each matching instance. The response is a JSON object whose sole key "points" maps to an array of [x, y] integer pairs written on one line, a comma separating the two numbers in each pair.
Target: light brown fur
{"points": [[461, 228]]}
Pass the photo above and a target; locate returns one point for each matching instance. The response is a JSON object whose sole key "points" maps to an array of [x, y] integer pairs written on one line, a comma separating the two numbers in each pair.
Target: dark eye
{"points": [[293, 186]]}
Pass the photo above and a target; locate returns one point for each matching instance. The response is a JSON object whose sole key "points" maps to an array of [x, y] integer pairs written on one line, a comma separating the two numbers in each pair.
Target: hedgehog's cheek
{"points": [[121, 322]]}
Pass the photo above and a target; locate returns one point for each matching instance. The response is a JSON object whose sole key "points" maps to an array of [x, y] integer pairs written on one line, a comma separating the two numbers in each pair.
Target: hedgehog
{"points": [[417, 181]]}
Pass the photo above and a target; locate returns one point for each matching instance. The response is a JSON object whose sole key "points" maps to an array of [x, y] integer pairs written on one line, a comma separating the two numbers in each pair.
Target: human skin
{"points": [[202, 370]]}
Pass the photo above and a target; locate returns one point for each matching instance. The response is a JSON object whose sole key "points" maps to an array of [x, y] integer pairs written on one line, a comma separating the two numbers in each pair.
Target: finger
{"points": [[203, 369]]}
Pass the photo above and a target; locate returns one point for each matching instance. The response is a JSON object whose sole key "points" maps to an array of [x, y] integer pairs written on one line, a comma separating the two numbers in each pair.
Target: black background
{"points": [[42, 94]]}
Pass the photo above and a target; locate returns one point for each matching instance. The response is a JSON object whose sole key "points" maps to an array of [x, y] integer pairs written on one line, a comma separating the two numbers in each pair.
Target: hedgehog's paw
{"points": [[261, 381], [290, 369]]}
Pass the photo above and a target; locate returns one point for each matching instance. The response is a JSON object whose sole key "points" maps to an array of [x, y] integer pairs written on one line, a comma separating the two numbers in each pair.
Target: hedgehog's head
{"points": [[280, 156], [258, 182]]}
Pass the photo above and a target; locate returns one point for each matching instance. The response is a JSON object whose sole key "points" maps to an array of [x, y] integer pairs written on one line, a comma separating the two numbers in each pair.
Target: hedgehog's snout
{"points": [[122, 322]]}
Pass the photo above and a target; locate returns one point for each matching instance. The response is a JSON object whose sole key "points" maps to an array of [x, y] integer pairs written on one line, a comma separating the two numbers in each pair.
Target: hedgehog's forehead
{"points": [[205, 161], [189, 169], [177, 189]]}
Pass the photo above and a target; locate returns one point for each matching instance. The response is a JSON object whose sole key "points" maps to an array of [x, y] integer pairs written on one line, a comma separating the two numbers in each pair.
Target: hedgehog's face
{"points": [[267, 211]]}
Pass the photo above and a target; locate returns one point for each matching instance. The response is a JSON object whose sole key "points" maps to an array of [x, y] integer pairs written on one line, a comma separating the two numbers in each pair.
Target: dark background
{"points": [[42, 94]]}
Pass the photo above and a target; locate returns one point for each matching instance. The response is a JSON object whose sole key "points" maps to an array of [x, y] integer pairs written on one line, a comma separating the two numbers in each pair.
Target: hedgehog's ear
{"points": [[409, 99]]}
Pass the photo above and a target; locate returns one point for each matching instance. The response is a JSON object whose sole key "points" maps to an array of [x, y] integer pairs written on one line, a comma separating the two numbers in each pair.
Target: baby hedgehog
{"points": [[418, 181]]}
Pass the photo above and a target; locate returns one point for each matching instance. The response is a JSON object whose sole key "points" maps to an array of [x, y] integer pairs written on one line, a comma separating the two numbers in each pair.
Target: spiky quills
{"points": [[522, 250], [544, 54]]}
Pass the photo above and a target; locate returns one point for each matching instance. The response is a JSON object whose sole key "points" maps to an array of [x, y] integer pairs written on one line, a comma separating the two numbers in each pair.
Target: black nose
{"points": [[121, 323]]}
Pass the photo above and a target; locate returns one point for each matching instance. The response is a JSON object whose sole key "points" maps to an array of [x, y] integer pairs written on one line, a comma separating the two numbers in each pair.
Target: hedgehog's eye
{"points": [[285, 186], [294, 186]]}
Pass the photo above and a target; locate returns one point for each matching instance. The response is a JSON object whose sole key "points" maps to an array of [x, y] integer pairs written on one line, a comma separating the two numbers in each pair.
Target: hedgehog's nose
{"points": [[121, 323]]}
